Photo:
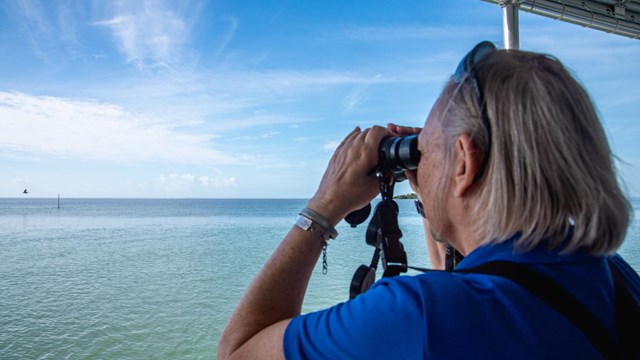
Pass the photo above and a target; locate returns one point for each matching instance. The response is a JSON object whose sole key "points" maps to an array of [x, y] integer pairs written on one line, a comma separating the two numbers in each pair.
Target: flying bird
{"points": [[25, 191]]}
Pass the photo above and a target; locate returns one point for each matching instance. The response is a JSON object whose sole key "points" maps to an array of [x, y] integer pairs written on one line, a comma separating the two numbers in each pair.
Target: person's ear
{"points": [[468, 158]]}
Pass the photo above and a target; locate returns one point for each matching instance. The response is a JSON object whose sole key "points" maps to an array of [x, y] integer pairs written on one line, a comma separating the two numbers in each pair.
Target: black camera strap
{"points": [[452, 258], [552, 293], [393, 256], [383, 233]]}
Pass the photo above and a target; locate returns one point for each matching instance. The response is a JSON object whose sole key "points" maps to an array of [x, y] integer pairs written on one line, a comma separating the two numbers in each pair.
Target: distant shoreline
{"points": [[410, 196], [398, 197]]}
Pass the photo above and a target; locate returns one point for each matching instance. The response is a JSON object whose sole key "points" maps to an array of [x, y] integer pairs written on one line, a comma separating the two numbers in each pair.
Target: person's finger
{"points": [[352, 135], [375, 135], [347, 139], [403, 130]]}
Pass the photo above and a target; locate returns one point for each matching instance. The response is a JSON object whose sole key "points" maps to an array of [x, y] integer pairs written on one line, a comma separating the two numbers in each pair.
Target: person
{"points": [[514, 169]]}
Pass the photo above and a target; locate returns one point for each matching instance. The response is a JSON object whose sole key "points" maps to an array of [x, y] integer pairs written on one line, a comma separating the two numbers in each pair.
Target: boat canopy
{"points": [[620, 17]]}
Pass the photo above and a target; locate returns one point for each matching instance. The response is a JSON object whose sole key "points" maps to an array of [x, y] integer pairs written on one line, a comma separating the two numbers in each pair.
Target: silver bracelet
{"points": [[321, 221], [309, 220], [307, 224]]}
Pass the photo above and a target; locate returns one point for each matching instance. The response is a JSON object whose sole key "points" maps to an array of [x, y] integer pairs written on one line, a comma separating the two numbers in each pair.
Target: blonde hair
{"points": [[550, 170]]}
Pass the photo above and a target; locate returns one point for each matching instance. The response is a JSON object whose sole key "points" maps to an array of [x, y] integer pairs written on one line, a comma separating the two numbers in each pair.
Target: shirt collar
{"points": [[506, 251]]}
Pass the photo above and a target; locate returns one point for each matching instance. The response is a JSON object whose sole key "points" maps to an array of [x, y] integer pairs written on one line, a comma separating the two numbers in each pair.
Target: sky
{"points": [[248, 99]]}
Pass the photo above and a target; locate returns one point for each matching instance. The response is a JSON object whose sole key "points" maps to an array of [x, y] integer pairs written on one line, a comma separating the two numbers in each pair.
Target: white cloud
{"points": [[418, 32], [182, 181], [217, 182], [235, 99], [148, 32], [17, 181], [355, 98], [81, 129], [34, 23], [233, 26], [270, 134], [331, 146], [175, 178], [359, 95], [266, 135]]}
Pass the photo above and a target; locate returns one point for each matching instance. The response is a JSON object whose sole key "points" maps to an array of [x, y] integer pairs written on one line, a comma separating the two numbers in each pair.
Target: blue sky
{"points": [[243, 99]]}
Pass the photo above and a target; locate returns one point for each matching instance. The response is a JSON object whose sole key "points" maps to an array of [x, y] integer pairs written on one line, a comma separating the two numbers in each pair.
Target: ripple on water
{"points": [[157, 279]]}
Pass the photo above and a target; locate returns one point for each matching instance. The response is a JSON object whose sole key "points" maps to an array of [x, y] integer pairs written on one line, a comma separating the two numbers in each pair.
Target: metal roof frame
{"points": [[620, 17]]}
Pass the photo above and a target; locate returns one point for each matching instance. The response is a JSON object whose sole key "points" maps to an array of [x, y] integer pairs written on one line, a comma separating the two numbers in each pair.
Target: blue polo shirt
{"points": [[464, 316]]}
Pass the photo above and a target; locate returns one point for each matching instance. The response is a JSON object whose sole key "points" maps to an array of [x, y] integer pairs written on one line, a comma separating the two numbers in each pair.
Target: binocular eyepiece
{"points": [[397, 154]]}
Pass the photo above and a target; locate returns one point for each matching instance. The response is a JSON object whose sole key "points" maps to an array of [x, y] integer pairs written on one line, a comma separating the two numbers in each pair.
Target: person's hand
{"points": [[398, 130], [348, 183]]}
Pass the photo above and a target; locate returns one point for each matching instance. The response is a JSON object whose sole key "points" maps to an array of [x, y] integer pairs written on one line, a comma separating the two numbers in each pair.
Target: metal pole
{"points": [[510, 26]]}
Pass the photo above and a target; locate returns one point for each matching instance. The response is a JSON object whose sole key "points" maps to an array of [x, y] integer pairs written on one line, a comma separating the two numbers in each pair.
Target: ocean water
{"points": [[140, 279]]}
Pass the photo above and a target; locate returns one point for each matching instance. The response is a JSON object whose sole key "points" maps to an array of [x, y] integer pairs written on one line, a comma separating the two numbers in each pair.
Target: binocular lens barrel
{"points": [[398, 154], [395, 155]]}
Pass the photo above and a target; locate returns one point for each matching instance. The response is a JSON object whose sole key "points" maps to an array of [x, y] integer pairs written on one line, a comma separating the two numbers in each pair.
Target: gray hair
{"points": [[550, 170]]}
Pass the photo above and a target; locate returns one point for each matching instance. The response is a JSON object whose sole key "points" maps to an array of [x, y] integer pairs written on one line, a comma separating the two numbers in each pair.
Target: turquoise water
{"points": [[133, 279]]}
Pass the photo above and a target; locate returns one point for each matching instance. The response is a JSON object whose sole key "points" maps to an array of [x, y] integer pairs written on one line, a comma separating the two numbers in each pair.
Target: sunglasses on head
{"points": [[466, 69]]}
